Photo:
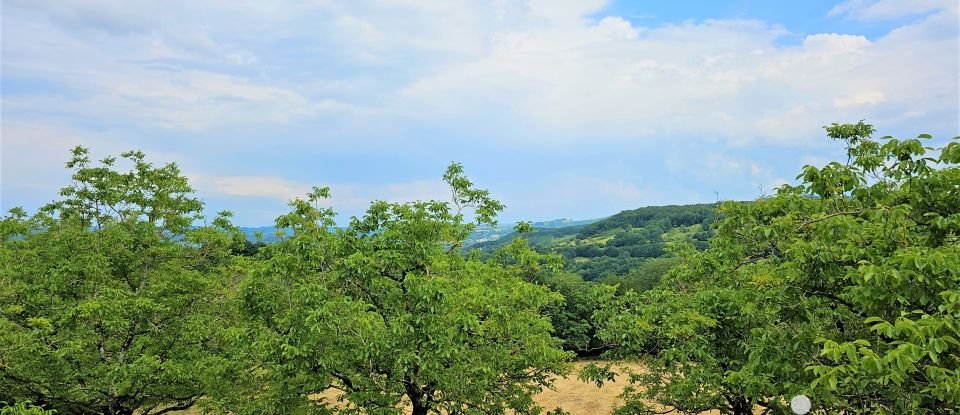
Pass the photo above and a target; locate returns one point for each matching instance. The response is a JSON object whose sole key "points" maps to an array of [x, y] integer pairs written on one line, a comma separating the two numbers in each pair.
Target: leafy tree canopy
{"points": [[111, 300], [389, 312], [844, 288]]}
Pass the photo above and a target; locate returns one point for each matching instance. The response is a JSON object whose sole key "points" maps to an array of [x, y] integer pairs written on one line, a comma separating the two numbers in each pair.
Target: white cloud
{"points": [[576, 194], [351, 198], [566, 193], [789, 124], [253, 186], [33, 154], [412, 191], [529, 74], [563, 11], [555, 76], [720, 170], [147, 64], [720, 78], [833, 44], [21, 155], [863, 98]]}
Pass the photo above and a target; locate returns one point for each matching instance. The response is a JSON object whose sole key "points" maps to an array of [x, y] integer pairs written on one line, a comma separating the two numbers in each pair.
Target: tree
{"points": [[23, 408], [896, 263], [643, 277], [843, 288], [572, 318], [389, 312], [111, 300]]}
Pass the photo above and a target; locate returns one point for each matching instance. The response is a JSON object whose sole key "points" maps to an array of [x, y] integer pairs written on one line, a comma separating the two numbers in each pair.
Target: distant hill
{"points": [[488, 234], [480, 235], [622, 244]]}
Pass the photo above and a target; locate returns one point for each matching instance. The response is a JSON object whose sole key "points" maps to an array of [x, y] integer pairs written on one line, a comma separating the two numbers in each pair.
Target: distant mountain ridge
{"points": [[483, 233]]}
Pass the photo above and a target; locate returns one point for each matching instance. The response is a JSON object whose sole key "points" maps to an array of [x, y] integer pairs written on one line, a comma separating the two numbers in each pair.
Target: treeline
{"points": [[843, 288]]}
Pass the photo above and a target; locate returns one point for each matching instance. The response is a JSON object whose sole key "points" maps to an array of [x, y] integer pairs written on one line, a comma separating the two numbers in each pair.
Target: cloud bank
{"points": [[405, 78]]}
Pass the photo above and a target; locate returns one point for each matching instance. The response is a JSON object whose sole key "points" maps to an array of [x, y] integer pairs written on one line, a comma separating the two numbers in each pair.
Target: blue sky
{"points": [[564, 109]]}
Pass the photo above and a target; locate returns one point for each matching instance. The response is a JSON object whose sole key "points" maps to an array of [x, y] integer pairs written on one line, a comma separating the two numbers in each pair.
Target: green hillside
{"points": [[624, 247]]}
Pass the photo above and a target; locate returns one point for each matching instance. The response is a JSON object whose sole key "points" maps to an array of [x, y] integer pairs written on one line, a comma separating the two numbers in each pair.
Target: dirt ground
{"points": [[571, 395], [580, 398]]}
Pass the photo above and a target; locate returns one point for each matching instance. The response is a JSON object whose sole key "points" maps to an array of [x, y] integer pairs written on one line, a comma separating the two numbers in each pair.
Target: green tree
{"points": [[389, 312], [892, 231], [23, 408], [643, 277], [572, 317], [844, 287], [110, 299]]}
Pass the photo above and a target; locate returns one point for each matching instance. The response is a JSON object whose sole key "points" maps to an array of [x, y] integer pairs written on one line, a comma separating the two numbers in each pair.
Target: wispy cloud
{"points": [[727, 78], [346, 198], [229, 88], [543, 69], [251, 186], [863, 98]]}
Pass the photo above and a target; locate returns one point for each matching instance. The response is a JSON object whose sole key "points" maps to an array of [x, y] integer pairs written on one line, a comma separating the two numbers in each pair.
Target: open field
{"points": [[571, 395], [581, 398]]}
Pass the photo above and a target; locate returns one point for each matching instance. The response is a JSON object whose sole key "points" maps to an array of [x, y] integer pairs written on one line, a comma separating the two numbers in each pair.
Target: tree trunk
{"points": [[417, 401], [419, 409], [740, 406], [116, 408]]}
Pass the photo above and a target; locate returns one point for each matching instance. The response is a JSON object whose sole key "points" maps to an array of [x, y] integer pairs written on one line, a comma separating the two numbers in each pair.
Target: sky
{"points": [[561, 108]]}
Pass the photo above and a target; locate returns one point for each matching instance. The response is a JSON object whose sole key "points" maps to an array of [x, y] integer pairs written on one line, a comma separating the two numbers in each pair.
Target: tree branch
{"points": [[179, 407], [832, 215]]}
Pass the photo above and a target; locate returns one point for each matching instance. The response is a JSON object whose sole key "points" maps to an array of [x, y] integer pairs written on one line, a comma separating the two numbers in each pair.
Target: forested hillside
{"points": [[626, 248]]}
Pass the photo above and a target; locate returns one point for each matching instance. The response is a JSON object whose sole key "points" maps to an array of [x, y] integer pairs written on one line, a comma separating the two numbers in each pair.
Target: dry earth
{"points": [[571, 395], [580, 398]]}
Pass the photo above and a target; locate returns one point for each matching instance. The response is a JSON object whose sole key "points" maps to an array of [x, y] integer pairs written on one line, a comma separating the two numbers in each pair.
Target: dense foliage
{"points": [[572, 317], [23, 408], [844, 288], [111, 301], [115, 302], [388, 312]]}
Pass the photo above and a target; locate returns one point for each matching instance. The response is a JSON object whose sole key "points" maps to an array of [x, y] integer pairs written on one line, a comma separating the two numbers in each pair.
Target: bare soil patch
{"points": [[569, 394]]}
